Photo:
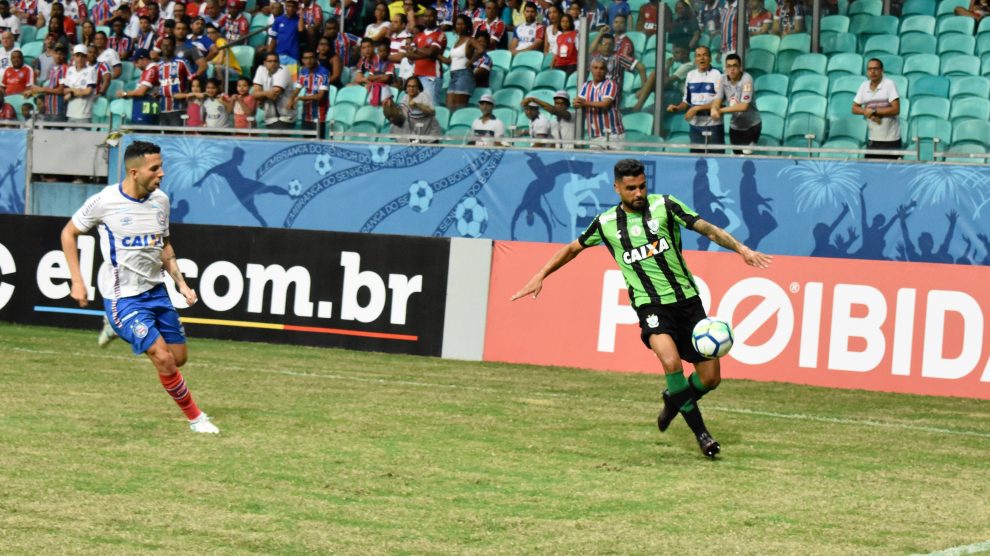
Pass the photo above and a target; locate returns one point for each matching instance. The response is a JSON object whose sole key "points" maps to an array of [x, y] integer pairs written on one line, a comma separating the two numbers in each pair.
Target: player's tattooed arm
{"points": [[171, 266], [725, 239]]}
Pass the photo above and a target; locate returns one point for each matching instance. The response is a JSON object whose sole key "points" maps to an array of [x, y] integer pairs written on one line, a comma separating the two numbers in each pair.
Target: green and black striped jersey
{"points": [[647, 247]]}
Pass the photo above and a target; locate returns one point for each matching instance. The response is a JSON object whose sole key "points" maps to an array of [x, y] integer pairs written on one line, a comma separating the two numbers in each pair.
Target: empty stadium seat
{"points": [[918, 7], [959, 64], [947, 8], [817, 84], [464, 116], [881, 44], [927, 64], [772, 104], [969, 85], [342, 115], [759, 62], [931, 86], [956, 43], [930, 106], [845, 63], [969, 107], [955, 24], [876, 25], [639, 122], [770, 43], [772, 126], [527, 59], [352, 95], [801, 124], [799, 42], [850, 127], [972, 131], [839, 42], [845, 83], [551, 79], [808, 104], [773, 83], [809, 63], [509, 98], [869, 7], [918, 43], [840, 105], [930, 127], [501, 59], [520, 78]]}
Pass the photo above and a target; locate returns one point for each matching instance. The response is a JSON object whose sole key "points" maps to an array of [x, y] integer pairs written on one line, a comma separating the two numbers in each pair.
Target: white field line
{"points": [[975, 548], [422, 384]]}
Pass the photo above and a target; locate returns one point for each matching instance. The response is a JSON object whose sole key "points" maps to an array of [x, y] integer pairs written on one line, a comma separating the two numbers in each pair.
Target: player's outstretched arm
{"points": [[559, 259], [70, 247], [725, 239], [171, 265]]}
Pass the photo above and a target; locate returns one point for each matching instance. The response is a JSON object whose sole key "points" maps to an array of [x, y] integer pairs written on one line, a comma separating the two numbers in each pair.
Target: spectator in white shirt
{"points": [[487, 127], [80, 87], [273, 88]]}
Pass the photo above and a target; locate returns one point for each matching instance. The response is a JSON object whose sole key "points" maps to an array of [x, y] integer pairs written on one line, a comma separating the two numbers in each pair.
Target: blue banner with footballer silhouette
{"points": [[13, 153], [869, 210]]}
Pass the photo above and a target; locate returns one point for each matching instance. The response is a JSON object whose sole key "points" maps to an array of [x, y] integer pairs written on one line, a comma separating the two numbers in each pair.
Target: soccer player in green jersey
{"points": [[643, 234]]}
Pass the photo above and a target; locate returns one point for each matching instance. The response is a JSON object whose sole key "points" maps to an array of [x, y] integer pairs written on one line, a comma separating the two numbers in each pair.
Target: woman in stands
{"points": [[88, 33], [379, 29], [327, 57], [463, 54], [567, 46]]}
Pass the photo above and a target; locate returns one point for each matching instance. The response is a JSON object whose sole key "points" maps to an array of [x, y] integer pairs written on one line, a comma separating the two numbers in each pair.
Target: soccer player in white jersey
{"points": [[132, 218]]}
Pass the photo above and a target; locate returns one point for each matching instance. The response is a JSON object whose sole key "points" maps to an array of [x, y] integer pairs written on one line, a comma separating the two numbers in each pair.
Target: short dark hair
{"points": [[735, 57], [139, 149], [213, 81], [628, 168], [877, 60], [529, 5]]}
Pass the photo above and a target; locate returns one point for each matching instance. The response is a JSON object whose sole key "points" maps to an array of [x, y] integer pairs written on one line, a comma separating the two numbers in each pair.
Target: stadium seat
{"points": [[772, 104], [501, 59], [930, 106], [550, 79], [985, 64], [892, 63], [917, 24], [930, 86], [638, 40], [674, 124], [960, 64], [458, 134], [918, 7], [773, 126], [971, 131], [28, 34], [769, 43], [443, 116], [956, 43], [343, 115], [839, 42], [842, 143], [521, 78], [120, 112], [496, 77], [845, 83], [962, 24], [101, 109], [983, 27], [809, 63], [245, 58], [798, 125], [759, 62], [508, 98], [845, 63], [832, 25], [363, 127], [917, 43], [869, 7], [840, 105], [850, 127], [947, 8], [40, 34], [785, 59], [639, 121], [352, 95], [632, 83], [808, 104], [969, 107], [965, 149], [799, 42], [876, 25], [881, 44], [507, 115], [927, 64], [116, 85], [531, 59], [969, 85], [982, 43], [930, 127], [33, 49], [370, 114], [464, 116], [773, 83], [901, 83], [817, 84]]}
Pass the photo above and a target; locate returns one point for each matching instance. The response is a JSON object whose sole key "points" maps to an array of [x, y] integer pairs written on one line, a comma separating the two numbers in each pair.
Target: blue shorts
{"points": [[141, 319], [461, 82]]}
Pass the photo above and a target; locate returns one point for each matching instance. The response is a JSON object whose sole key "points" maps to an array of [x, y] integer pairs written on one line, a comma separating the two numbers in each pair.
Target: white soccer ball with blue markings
{"points": [[379, 153], [472, 217], [712, 338], [295, 188], [420, 196], [323, 164]]}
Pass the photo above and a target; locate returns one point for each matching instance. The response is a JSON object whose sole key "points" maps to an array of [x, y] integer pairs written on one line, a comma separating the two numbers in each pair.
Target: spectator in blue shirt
{"points": [[284, 34], [618, 7]]}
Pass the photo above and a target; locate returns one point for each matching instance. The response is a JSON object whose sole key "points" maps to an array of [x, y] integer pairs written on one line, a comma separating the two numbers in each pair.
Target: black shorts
{"points": [[675, 319]]}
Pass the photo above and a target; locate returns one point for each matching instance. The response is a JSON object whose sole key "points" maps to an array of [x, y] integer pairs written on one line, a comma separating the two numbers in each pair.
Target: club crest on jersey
{"points": [[140, 329], [652, 321], [654, 225], [646, 251], [161, 217], [635, 230]]}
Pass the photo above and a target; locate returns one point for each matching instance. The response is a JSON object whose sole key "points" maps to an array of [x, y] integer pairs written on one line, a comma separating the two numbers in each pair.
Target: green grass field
{"points": [[330, 451]]}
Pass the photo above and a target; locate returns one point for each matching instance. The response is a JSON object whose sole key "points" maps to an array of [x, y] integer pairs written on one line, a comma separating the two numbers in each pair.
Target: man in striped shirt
{"points": [[312, 85], [700, 90], [643, 235], [54, 101], [600, 96]]}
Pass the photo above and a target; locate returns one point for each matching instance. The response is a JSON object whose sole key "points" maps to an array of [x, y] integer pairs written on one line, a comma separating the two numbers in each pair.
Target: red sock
{"points": [[175, 385]]}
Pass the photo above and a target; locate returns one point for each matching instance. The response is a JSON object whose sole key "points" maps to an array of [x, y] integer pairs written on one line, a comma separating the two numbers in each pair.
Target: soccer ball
{"points": [[295, 188], [712, 338], [323, 164], [420, 196], [472, 217], [379, 153]]}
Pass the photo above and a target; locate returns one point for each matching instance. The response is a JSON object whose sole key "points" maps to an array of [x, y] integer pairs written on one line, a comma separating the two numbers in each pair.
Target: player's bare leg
{"points": [[167, 358], [680, 397], [107, 334]]}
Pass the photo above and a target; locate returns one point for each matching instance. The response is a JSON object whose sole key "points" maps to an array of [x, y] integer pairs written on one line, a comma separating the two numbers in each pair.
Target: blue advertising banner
{"points": [[13, 153], [918, 212]]}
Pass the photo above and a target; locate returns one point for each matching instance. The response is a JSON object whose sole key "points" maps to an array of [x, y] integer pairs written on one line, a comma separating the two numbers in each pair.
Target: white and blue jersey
{"points": [[132, 236], [700, 88]]}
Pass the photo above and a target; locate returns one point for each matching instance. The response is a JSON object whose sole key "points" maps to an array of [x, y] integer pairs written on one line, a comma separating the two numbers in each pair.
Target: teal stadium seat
{"points": [[961, 24], [120, 112], [443, 116], [817, 84], [917, 43], [930, 106], [501, 59], [969, 85], [963, 149], [809, 63], [985, 64], [969, 107], [901, 83], [342, 115], [926, 64], [918, 7], [769, 43], [527, 59], [772, 104], [496, 77], [982, 42], [639, 121], [892, 63], [842, 143], [917, 24], [773, 83], [878, 25], [839, 42], [869, 7], [638, 40], [33, 49], [983, 27], [101, 109], [507, 116], [971, 131], [798, 125], [840, 105], [551, 79], [931, 86], [845, 63], [881, 44], [759, 62], [798, 42], [464, 116], [520, 78], [28, 34], [831, 25], [959, 64], [808, 104], [773, 126], [245, 58], [947, 8], [508, 98], [116, 85], [928, 127], [956, 44], [849, 127], [370, 114], [354, 95]]}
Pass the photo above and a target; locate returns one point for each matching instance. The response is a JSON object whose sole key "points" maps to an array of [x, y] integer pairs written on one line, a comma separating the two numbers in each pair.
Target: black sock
{"points": [[694, 420]]}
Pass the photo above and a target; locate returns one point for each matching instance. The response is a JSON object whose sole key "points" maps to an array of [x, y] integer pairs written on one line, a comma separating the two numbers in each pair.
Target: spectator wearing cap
{"points": [[18, 77], [425, 53], [273, 88], [486, 128], [561, 113], [80, 87], [600, 97], [118, 40], [539, 126], [144, 110], [285, 33], [54, 89]]}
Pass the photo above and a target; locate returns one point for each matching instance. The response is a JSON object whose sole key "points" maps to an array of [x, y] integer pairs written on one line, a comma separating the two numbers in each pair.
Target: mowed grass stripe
{"points": [[335, 451]]}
